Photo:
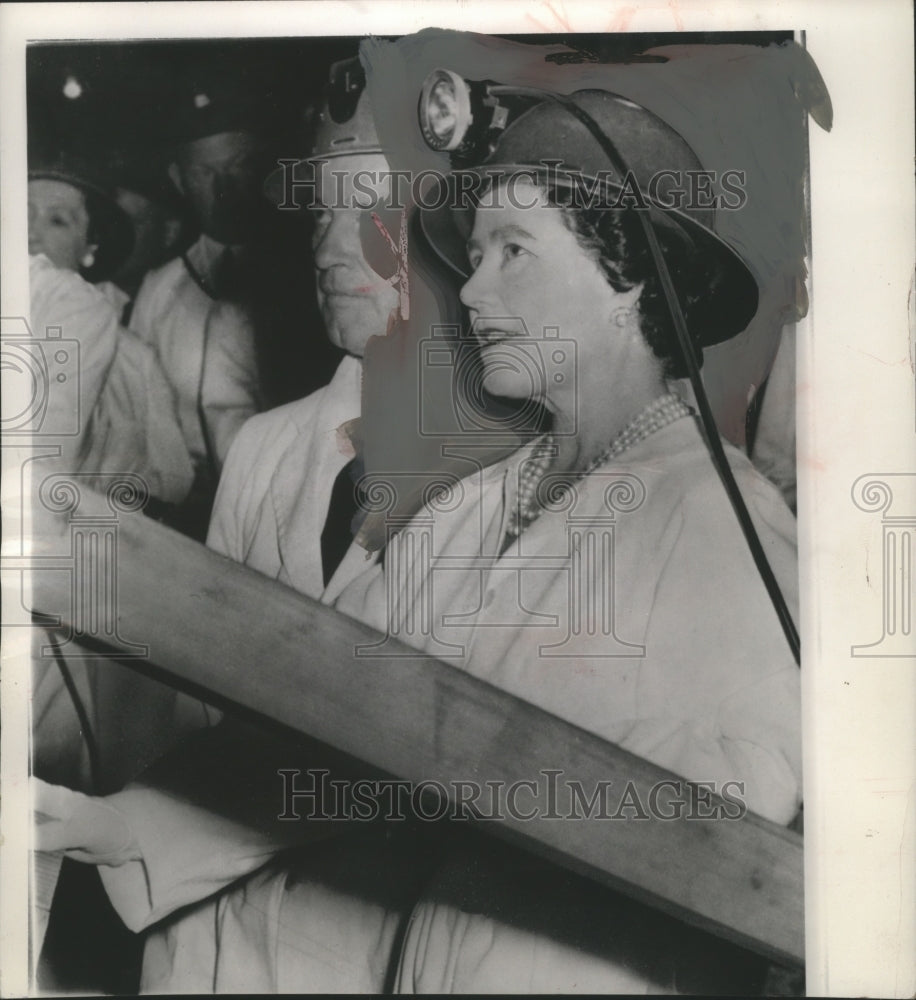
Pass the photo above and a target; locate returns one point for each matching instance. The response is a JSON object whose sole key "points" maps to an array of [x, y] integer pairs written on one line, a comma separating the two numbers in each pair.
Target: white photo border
{"points": [[856, 417]]}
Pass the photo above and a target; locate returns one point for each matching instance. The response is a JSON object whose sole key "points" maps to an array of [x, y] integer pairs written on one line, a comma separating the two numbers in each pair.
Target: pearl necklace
{"points": [[658, 414]]}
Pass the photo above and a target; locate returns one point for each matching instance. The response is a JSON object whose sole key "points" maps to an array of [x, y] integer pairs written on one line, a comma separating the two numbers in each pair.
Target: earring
{"points": [[88, 259], [622, 317]]}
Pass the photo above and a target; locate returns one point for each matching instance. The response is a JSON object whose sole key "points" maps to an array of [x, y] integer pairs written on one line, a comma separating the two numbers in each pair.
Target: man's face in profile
{"points": [[355, 301]]}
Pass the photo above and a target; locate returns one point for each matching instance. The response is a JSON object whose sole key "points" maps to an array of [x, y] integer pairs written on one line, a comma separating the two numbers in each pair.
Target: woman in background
{"points": [[125, 423], [78, 235]]}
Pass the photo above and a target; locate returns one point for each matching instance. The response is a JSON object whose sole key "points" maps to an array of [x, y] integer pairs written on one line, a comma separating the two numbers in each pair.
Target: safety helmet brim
{"points": [[549, 134]]}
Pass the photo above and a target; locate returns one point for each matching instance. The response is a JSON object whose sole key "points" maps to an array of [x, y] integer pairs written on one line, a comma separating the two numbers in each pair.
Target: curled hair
{"points": [[615, 240]]}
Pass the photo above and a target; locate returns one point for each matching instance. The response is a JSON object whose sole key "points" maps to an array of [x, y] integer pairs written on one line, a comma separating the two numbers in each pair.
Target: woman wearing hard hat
{"points": [[688, 661], [708, 687]]}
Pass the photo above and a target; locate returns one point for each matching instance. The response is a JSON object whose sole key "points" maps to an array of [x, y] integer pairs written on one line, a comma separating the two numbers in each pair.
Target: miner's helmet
{"points": [[340, 125], [549, 133]]}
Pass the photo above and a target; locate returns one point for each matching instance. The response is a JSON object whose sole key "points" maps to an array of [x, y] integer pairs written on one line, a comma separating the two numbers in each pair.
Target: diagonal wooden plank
{"points": [[231, 631]]}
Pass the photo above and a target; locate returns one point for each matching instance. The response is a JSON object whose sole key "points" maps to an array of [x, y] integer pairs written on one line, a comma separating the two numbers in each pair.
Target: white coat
{"points": [[274, 493], [714, 692], [206, 349], [714, 697], [121, 420], [270, 509], [110, 398]]}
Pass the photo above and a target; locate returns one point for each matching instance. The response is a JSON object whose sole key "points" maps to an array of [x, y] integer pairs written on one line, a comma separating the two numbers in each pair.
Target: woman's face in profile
{"points": [[529, 273], [58, 223]]}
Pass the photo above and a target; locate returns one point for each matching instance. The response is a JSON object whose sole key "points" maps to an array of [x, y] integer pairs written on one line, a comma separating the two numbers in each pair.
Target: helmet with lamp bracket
{"points": [[611, 146], [550, 144], [341, 124]]}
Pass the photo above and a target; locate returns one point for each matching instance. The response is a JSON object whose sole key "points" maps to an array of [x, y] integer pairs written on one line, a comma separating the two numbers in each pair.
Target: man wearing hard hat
{"points": [[338, 921], [284, 507], [188, 310]]}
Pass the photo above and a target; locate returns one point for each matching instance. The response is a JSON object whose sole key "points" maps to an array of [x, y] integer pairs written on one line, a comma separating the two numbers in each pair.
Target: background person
{"points": [[160, 227], [284, 507], [127, 425], [94, 724], [191, 311], [127, 419]]}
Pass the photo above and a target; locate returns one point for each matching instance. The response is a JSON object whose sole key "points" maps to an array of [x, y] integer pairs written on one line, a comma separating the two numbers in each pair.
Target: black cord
{"points": [[714, 441], [707, 421]]}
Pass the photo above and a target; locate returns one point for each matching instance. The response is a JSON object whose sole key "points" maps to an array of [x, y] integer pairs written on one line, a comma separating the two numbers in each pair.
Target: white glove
{"points": [[84, 828]]}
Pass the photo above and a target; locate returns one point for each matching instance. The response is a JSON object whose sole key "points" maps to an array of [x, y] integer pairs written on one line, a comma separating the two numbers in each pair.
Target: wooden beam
{"points": [[246, 638]]}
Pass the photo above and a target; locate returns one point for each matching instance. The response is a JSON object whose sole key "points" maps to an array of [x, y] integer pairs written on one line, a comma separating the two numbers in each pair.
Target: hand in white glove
{"points": [[85, 828]]}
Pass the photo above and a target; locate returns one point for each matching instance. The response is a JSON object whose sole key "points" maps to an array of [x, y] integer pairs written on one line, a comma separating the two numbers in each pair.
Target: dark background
{"points": [[130, 88]]}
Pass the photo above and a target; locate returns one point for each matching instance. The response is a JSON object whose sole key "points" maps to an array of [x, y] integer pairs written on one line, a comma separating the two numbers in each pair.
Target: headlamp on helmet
{"points": [[464, 117], [604, 133]]}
